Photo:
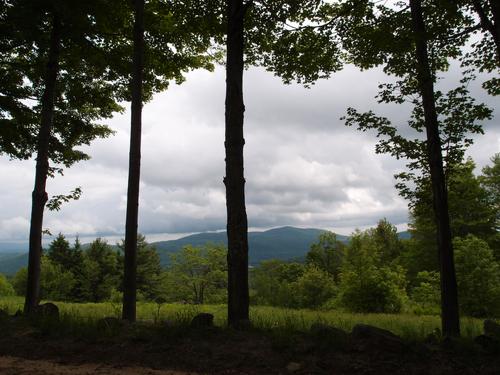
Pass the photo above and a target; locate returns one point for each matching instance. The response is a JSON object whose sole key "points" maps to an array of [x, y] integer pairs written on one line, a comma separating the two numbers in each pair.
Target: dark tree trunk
{"points": [[130, 266], [495, 10], [490, 25], [39, 196], [237, 226], [449, 299]]}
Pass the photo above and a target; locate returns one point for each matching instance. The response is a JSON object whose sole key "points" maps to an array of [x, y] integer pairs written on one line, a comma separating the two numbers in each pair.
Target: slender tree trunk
{"points": [[130, 266], [39, 195], [237, 226], [495, 11], [449, 300], [490, 25]]}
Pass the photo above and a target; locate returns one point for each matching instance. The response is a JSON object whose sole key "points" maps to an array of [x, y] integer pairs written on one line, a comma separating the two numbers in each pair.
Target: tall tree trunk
{"points": [[495, 11], [39, 195], [237, 226], [130, 266], [490, 25], [449, 299]]}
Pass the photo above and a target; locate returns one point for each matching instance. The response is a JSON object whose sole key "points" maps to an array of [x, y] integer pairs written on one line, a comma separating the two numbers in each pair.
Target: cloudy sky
{"points": [[303, 166]]}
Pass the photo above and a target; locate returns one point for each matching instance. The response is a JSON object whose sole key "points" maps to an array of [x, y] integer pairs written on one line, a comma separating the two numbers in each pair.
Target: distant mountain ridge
{"points": [[279, 243]]}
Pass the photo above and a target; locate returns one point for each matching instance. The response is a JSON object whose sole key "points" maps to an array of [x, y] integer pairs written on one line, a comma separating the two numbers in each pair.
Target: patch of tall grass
{"points": [[84, 316]]}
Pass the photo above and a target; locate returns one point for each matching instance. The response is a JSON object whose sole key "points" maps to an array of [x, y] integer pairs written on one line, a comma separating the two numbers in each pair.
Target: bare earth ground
{"points": [[21, 366], [26, 350]]}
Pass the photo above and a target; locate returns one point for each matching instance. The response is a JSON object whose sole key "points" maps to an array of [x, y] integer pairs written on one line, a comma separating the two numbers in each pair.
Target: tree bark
{"points": [[39, 195], [449, 300], [490, 25], [237, 226], [130, 261]]}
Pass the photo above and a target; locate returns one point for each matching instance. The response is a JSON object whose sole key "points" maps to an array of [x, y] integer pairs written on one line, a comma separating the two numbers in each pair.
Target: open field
{"points": [[409, 326]]}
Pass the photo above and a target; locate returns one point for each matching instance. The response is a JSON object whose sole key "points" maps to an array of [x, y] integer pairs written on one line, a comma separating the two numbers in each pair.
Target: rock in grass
{"points": [[202, 320], [47, 310], [365, 331], [319, 329], [377, 338], [333, 337], [491, 328]]}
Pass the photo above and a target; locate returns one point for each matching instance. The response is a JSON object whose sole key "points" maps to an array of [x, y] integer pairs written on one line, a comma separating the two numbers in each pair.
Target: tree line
{"points": [[65, 66]]}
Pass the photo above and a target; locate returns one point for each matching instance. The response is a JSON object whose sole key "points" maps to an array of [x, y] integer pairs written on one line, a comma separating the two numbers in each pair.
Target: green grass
{"points": [[409, 326]]}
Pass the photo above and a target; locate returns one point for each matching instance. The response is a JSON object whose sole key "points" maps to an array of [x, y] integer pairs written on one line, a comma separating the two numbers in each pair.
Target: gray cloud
{"points": [[303, 166]]}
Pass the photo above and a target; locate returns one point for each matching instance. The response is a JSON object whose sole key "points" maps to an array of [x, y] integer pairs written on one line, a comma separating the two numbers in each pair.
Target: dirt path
{"points": [[21, 366]]}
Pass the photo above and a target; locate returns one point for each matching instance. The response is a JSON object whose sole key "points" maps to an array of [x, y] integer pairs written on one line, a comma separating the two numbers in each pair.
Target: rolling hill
{"points": [[10, 263], [279, 243]]}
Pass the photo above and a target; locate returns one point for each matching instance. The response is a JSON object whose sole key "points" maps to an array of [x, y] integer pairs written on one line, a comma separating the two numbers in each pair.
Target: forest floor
{"points": [[146, 349]]}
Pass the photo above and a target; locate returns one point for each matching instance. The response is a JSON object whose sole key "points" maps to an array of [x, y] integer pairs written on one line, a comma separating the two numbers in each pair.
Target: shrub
{"points": [[373, 289], [478, 277], [427, 291], [314, 287], [6, 288]]}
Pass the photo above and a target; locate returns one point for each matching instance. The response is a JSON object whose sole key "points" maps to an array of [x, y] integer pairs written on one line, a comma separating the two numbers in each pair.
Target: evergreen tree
{"points": [[60, 252], [327, 254], [149, 269], [100, 272]]}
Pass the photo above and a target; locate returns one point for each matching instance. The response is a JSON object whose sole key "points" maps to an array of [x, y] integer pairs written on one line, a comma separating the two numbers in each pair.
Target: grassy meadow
{"points": [[409, 326]]}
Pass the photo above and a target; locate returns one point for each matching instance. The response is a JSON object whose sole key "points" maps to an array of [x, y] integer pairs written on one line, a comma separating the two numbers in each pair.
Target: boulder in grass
{"points": [[377, 339], [320, 329], [331, 336], [491, 328], [202, 320], [47, 310]]}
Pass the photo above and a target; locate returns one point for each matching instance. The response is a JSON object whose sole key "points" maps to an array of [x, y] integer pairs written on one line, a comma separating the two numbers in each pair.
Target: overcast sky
{"points": [[303, 166]]}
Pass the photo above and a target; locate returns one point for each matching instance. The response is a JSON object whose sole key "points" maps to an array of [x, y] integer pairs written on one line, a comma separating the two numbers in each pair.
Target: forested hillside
{"points": [[284, 243]]}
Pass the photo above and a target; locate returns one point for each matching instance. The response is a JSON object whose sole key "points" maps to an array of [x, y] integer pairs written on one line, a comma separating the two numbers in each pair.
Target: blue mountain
{"points": [[279, 243], [284, 243]]}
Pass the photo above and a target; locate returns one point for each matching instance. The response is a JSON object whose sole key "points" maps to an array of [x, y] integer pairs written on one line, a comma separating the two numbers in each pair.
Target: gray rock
{"points": [[321, 329], [434, 338], [47, 310], [491, 328], [374, 338], [365, 331], [332, 336], [202, 320]]}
